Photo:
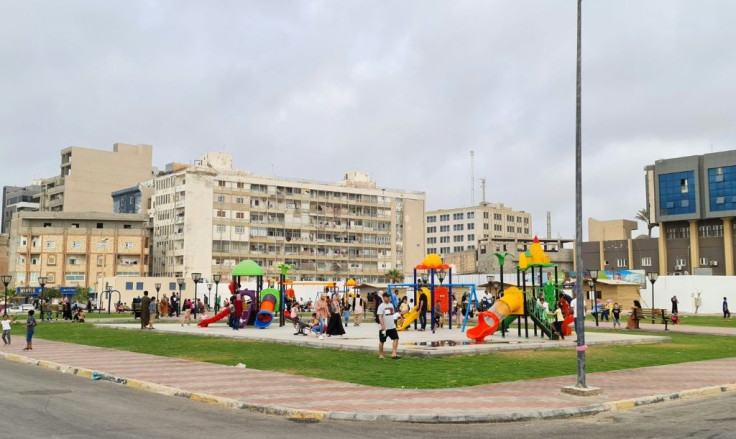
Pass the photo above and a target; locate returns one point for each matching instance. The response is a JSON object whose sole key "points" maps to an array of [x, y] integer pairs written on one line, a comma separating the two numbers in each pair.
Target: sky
{"points": [[402, 90]]}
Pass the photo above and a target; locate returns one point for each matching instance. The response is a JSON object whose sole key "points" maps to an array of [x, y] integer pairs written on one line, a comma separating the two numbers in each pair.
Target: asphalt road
{"points": [[44, 403]]}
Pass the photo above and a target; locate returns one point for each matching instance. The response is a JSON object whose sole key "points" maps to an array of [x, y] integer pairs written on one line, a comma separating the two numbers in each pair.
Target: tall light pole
{"points": [[41, 281], [653, 278], [6, 280], [580, 387], [216, 278], [196, 277], [209, 293]]}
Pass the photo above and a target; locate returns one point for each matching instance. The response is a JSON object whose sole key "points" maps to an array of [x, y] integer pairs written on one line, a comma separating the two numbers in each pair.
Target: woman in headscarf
{"points": [[334, 324]]}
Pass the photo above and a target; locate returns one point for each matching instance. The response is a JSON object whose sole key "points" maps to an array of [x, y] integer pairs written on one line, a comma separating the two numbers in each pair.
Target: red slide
{"points": [[213, 319]]}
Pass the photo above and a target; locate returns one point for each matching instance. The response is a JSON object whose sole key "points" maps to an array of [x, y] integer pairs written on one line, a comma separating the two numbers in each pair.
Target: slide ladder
{"points": [[540, 318]]}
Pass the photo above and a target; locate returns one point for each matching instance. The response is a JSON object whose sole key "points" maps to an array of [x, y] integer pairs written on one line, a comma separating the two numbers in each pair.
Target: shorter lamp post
{"points": [[196, 277], [157, 285], [652, 278], [180, 282], [592, 282], [209, 293], [41, 281], [489, 283], [6, 280], [216, 278]]}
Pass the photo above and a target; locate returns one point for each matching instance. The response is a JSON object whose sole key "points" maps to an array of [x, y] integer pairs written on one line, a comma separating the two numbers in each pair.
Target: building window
{"points": [[239, 200], [172, 285], [471, 215], [674, 188], [221, 214], [100, 261], [471, 237], [50, 244], [221, 229], [458, 216], [681, 262], [75, 225], [127, 226], [432, 219], [471, 226], [445, 217], [432, 229], [47, 224], [239, 230], [458, 227], [139, 286], [74, 276], [34, 261], [444, 228], [51, 260], [221, 183], [621, 263], [458, 238], [458, 248], [240, 215], [220, 198], [704, 262], [646, 261], [128, 286]]}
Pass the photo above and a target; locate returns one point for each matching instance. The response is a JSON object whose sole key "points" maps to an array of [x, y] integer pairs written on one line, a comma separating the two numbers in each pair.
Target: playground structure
{"points": [[515, 303]]}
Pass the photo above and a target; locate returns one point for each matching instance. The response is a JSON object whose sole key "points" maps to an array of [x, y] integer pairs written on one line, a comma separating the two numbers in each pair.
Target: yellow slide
{"points": [[512, 303], [413, 313]]}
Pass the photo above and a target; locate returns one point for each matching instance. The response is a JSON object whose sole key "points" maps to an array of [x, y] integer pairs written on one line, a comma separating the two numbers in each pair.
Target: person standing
{"points": [[346, 311], [187, 307], [323, 314], [616, 313], [152, 311], [726, 312], [358, 309], [674, 304], [386, 313], [30, 329], [145, 310], [238, 303], [422, 307], [334, 324]]}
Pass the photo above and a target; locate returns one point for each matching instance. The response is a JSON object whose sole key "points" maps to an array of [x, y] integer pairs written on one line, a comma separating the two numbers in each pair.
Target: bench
{"points": [[136, 310], [656, 315]]}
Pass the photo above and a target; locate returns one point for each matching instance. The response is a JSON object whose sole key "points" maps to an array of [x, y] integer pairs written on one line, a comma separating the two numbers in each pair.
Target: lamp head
{"points": [[209, 287], [196, 277], [6, 279], [180, 281], [652, 276], [157, 285], [216, 278], [42, 281], [441, 274]]}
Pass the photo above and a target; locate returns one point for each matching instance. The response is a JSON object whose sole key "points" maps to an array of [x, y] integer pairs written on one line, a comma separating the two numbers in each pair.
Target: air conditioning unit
{"points": [[713, 263], [679, 267]]}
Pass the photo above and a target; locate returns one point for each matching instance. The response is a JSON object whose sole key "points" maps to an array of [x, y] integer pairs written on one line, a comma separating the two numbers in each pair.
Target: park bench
{"points": [[656, 315]]}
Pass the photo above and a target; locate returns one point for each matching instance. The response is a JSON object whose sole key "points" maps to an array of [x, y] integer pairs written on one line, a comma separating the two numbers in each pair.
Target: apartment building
{"points": [[208, 217], [460, 229], [74, 249], [89, 176], [18, 199]]}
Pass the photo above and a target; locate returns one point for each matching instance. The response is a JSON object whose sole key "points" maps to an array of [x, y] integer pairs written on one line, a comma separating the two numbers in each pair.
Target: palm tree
{"points": [[394, 276], [643, 215]]}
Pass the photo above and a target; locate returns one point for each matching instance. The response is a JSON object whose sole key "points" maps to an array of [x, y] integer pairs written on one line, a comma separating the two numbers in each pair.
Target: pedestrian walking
{"points": [[334, 323], [388, 330], [346, 312], [152, 311], [145, 310], [323, 314], [6, 329], [358, 307], [187, 308], [726, 312], [616, 313]]}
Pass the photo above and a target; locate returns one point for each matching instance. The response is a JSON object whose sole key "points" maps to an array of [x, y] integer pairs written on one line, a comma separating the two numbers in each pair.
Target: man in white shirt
{"points": [[386, 313]]}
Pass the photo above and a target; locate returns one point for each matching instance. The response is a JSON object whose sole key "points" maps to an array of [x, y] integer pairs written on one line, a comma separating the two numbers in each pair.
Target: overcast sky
{"points": [[403, 90]]}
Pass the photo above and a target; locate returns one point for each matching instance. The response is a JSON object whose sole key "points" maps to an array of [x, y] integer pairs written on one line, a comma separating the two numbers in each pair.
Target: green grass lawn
{"points": [[711, 321], [365, 368]]}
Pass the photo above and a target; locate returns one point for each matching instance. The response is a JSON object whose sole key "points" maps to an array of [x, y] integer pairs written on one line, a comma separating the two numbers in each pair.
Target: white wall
{"points": [[712, 290]]}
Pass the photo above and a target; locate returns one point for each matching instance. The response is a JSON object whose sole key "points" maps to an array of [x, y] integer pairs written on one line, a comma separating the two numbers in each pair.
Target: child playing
{"points": [[438, 314], [6, 329], [30, 329], [616, 312], [316, 325]]}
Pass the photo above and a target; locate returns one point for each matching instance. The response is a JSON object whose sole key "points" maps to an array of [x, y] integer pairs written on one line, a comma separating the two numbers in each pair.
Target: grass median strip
{"points": [[364, 368]]}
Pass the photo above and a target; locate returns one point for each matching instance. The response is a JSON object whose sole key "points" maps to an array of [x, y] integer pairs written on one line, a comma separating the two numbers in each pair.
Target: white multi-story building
{"points": [[460, 229], [208, 217]]}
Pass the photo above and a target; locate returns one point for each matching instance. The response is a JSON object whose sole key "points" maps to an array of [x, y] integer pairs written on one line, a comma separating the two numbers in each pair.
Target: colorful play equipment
{"points": [[516, 303], [413, 314], [222, 314], [511, 304], [269, 306]]}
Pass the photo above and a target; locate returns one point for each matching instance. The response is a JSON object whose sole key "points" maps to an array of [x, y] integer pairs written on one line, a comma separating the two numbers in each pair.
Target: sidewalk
{"points": [[657, 327], [302, 397]]}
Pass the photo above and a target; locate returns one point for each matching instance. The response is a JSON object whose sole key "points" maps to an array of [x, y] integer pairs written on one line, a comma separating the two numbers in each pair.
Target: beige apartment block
{"points": [[4, 252], [209, 217], [612, 230], [460, 229], [89, 176], [74, 249]]}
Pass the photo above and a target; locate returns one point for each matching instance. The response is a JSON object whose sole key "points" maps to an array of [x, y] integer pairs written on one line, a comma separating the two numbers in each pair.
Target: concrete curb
{"points": [[317, 416]]}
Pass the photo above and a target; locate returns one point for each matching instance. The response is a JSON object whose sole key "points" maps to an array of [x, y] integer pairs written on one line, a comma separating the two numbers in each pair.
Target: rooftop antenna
{"points": [[549, 225], [472, 178], [483, 189]]}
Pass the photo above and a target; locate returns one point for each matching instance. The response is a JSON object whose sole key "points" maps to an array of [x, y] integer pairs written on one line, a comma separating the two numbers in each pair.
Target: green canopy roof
{"points": [[247, 268]]}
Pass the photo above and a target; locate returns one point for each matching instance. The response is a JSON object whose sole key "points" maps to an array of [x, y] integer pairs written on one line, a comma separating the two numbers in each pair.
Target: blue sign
{"points": [[35, 291]]}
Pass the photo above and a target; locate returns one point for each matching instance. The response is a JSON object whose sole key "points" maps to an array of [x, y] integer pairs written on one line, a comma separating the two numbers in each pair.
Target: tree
{"points": [[394, 276], [643, 215], [82, 295]]}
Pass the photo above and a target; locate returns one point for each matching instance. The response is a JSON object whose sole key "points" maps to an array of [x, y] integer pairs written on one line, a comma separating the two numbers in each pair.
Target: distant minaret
{"points": [[472, 178], [549, 225], [483, 188]]}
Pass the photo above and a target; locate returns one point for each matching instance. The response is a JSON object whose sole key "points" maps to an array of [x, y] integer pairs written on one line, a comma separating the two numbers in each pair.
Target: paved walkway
{"points": [[657, 327], [296, 396]]}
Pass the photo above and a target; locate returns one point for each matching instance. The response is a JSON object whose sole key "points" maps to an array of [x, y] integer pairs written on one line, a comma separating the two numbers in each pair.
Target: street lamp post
{"points": [[180, 282], [196, 277], [490, 279], [157, 285], [592, 282], [652, 278], [41, 281], [6, 280], [209, 293], [216, 278]]}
